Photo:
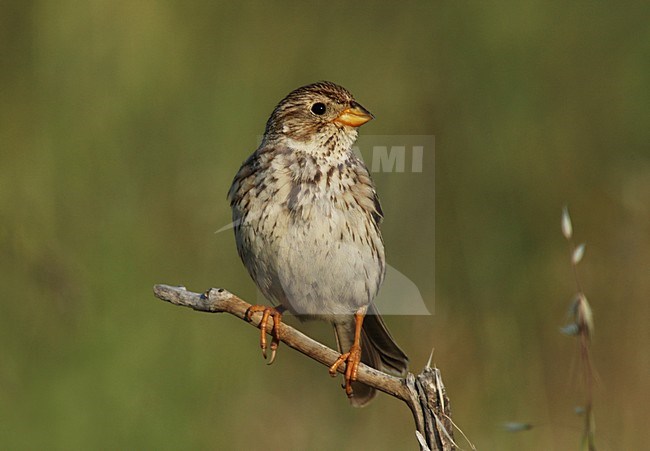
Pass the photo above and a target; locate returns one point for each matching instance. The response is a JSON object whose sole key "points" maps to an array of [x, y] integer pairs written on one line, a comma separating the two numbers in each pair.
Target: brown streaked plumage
{"points": [[307, 217]]}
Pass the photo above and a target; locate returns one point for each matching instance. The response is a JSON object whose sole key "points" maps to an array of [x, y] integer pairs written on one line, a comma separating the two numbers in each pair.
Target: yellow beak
{"points": [[354, 116]]}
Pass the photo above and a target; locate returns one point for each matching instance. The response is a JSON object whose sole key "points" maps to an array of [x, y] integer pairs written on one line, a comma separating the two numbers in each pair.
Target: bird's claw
{"points": [[352, 360], [275, 331]]}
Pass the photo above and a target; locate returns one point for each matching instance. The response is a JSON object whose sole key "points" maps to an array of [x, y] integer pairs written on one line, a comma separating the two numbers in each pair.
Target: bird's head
{"points": [[318, 111]]}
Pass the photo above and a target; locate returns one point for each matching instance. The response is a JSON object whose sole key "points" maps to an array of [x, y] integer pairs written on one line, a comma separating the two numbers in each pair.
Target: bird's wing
{"points": [[365, 193]]}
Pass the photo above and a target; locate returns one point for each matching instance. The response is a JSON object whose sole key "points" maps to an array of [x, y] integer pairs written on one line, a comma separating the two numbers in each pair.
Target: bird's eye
{"points": [[318, 108]]}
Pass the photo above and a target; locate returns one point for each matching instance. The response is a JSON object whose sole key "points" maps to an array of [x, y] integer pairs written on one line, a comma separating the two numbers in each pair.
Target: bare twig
{"points": [[425, 395]]}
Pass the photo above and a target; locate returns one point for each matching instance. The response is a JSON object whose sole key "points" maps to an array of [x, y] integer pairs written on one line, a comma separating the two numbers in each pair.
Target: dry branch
{"points": [[424, 394]]}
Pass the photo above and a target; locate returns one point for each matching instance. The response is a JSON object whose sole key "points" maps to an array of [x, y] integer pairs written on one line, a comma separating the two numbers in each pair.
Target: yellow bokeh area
{"points": [[122, 124]]}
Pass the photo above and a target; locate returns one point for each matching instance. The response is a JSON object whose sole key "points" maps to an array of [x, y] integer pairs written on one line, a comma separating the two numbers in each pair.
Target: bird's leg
{"points": [[353, 356], [276, 314]]}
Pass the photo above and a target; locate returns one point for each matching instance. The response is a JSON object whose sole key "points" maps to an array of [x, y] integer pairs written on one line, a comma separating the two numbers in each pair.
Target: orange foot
{"points": [[351, 359], [276, 314]]}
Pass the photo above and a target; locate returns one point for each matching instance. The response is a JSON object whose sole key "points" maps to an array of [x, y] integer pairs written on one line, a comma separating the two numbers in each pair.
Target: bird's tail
{"points": [[378, 350]]}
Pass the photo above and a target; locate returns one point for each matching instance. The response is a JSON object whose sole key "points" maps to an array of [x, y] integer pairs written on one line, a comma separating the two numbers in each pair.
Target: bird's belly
{"points": [[318, 264]]}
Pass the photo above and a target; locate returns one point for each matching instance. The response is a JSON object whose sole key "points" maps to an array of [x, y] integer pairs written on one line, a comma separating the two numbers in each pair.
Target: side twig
{"points": [[425, 394]]}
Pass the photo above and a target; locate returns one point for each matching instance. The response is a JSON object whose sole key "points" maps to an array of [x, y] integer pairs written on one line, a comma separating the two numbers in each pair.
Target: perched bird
{"points": [[306, 218]]}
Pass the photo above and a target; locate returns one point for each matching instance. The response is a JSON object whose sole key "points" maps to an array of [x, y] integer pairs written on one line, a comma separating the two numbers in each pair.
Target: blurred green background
{"points": [[122, 124]]}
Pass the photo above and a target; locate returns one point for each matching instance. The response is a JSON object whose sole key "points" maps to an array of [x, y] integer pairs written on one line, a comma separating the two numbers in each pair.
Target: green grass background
{"points": [[122, 124]]}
